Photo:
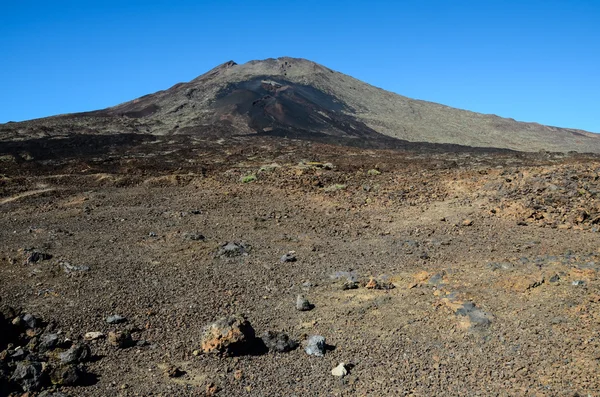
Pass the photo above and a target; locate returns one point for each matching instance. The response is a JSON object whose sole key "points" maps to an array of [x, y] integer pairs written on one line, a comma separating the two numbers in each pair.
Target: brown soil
{"points": [[470, 260]]}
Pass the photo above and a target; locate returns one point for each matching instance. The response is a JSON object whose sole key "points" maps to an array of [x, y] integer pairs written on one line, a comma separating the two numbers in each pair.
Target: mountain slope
{"points": [[299, 98]]}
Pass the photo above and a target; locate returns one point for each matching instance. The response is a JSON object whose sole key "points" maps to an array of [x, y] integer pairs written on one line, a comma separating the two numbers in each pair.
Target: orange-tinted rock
{"points": [[228, 336]]}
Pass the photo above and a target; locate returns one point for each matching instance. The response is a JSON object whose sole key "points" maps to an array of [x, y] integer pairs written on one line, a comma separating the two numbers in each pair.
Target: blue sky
{"points": [[528, 60]]}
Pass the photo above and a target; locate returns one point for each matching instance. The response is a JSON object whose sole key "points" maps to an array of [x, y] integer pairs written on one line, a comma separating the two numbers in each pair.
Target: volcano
{"points": [[297, 98]]}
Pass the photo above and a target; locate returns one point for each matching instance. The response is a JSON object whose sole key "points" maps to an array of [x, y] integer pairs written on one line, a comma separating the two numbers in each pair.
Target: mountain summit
{"points": [[302, 99]]}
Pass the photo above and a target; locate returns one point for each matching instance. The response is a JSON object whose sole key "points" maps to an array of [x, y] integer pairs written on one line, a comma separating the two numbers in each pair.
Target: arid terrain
{"points": [[475, 272], [157, 262]]}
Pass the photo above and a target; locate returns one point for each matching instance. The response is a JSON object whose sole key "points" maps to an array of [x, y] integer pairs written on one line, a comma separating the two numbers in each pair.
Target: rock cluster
{"points": [[34, 356]]}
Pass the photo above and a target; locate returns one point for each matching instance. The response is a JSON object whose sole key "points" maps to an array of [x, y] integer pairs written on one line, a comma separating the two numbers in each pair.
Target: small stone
{"points": [[37, 256], [19, 354], [212, 389], [30, 320], [120, 339], [555, 278], [152, 234], [174, 372], [467, 222], [578, 283], [68, 268], [232, 249], [78, 353], [278, 342], [66, 375], [289, 257], [48, 342], [93, 335], [238, 374], [315, 346], [349, 284], [302, 304], [372, 284], [194, 237], [340, 370], [115, 319]]}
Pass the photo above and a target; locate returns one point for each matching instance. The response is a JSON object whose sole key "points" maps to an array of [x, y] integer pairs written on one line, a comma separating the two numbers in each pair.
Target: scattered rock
{"points": [[346, 285], [378, 284], [473, 317], [29, 375], [340, 370], [212, 389], [372, 284], [194, 237], [120, 339], [278, 342], [68, 268], [302, 304], [48, 342], [115, 319], [93, 335], [228, 336], [578, 283], [232, 249], [66, 375], [30, 320], [467, 222], [78, 353], [315, 346], [289, 257], [174, 372], [36, 256], [555, 278]]}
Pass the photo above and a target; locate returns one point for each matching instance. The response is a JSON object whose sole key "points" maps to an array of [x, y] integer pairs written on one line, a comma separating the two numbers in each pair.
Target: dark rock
{"points": [[48, 342], [289, 257], [555, 278], [174, 372], [194, 237], [120, 339], [232, 249], [78, 353], [19, 354], [315, 346], [115, 319], [29, 375], [346, 285], [278, 342], [36, 256], [30, 320], [66, 375]]}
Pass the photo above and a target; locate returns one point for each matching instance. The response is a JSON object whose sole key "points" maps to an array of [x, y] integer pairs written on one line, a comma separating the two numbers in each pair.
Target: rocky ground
{"points": [[179, 273]]}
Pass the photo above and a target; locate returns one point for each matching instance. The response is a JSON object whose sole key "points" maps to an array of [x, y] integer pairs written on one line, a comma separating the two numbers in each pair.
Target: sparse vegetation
{"points": [[248, 178]]}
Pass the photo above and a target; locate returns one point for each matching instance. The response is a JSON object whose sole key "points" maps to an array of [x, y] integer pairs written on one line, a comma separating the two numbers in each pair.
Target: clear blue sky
{"points": [[529, 60]]}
